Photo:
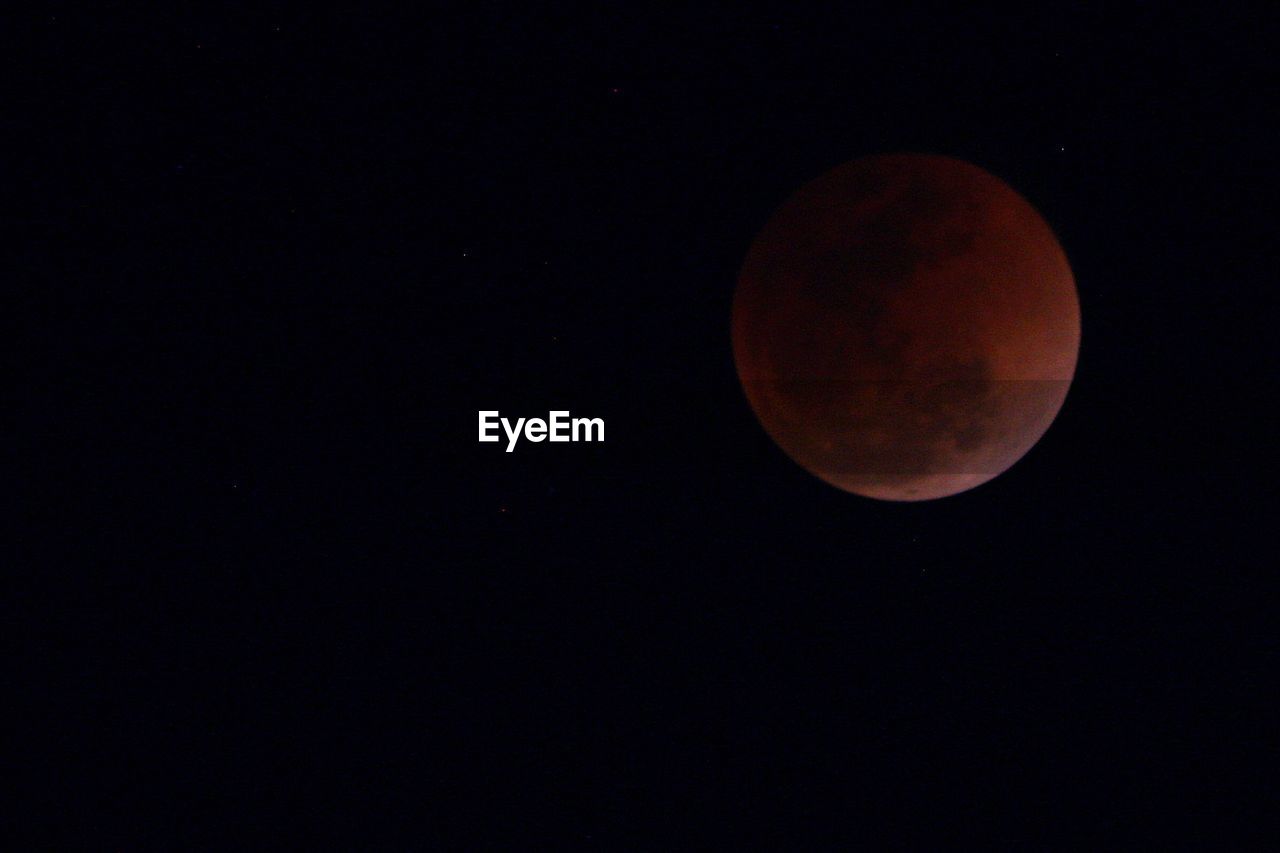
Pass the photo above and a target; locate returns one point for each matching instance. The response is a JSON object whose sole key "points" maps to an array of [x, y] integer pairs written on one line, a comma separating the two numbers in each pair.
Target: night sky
{"points": [[268, 264]]}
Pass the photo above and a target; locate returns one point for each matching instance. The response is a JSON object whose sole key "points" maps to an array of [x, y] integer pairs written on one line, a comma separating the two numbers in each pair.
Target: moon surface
{"points": [[906, 326]]}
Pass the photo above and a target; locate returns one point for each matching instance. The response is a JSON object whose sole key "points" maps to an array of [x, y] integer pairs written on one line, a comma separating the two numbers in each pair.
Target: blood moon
{"points": [[906, 326]]}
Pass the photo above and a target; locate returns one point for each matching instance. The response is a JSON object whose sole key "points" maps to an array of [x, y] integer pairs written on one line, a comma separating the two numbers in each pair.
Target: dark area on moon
{"points": [[911, 222], [895, 430]]}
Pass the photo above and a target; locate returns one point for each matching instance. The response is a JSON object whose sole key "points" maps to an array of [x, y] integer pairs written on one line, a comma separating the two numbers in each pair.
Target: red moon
{"points": [[906, 326]]}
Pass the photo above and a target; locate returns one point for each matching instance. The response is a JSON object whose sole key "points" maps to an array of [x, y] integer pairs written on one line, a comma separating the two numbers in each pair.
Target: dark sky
{"points": [[271, 262]]}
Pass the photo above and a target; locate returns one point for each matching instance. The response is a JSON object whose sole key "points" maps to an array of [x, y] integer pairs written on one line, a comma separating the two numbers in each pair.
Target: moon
{"points": [[906, 326]]}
